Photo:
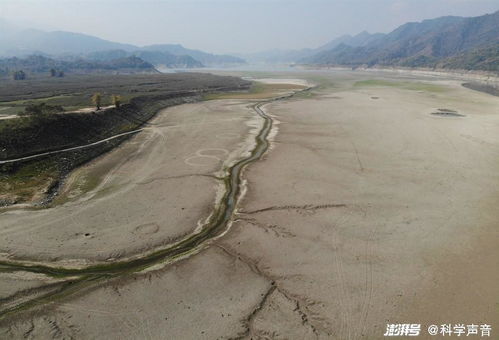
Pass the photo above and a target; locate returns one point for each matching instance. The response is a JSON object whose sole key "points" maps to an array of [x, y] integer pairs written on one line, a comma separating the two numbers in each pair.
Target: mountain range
{"points": [[206, 59], [17, 42], [157, 58], [442, 43], [446, 42], [276, 56]]}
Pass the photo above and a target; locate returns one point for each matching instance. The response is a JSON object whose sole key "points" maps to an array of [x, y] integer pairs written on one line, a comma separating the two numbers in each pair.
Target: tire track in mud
{"points": [[217, 225]]}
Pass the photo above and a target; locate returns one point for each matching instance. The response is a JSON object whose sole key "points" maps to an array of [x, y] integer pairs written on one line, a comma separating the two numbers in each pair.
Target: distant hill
{"points": [[447, 42], [22, 42], [16, 42], [207, 59], [276, 56], [482, 59], [157, 58], [106, 55], [168, 60], [37, 64], [362, 39]]}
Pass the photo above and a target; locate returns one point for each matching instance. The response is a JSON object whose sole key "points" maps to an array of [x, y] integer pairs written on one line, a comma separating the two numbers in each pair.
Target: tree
{"points": [[53, 72], [116, 99], [96, 100], [19, 75]]}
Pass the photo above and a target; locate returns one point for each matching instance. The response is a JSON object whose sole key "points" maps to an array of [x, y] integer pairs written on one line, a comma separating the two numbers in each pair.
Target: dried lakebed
{"points": [[367, 210], [64, 281]]}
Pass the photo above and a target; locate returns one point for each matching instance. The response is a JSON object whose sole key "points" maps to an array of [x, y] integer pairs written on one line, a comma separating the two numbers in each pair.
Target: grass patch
{"points": [[257, 91], [68, 102], [305, 95], [18, 123], [27, 181], [406, 85], [11, 110]]}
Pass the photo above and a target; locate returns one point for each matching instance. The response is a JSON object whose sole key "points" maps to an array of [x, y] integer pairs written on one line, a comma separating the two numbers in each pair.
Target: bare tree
{"points": [[116, 99]]}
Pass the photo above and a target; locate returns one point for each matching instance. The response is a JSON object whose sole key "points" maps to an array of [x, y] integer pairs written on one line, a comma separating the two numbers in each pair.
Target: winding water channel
{"points": [[78, 279]]}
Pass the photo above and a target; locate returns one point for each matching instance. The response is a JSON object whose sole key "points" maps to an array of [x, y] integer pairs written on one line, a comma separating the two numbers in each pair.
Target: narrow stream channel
{"points": [[78, 279]]}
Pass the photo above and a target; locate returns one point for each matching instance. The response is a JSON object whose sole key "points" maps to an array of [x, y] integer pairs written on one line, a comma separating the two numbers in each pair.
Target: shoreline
{"points": [[488, 77]]}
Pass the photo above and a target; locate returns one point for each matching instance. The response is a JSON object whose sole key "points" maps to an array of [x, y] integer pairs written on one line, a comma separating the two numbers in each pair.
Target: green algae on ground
{"points": [[406, 85]]}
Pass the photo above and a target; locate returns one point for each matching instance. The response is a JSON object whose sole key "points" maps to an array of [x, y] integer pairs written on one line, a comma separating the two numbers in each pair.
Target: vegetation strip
{"points": [[216, 226], [70, 149]]}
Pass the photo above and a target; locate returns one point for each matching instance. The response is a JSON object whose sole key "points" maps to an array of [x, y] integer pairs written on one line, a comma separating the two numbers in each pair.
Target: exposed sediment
{"points": [[80, 278]]}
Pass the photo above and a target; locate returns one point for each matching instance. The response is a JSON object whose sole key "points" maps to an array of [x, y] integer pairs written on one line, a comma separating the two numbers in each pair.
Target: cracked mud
{"points": [[354, 218]]}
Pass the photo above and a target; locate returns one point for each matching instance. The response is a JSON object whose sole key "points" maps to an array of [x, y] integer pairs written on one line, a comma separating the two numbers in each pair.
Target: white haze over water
{"points": [[228, 26]]}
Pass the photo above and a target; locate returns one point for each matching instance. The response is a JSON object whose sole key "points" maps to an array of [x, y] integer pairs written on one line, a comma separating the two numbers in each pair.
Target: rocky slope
{"points": [[448, 42]]}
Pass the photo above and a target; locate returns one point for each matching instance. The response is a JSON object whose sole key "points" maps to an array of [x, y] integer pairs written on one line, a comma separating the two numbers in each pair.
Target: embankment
{"points": [[37, 179]]}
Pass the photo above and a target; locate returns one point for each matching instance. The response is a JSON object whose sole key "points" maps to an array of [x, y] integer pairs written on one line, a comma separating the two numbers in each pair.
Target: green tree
{"points": [[96, 100]]}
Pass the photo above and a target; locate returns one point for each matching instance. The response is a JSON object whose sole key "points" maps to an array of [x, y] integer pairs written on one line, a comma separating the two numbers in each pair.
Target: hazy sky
{"points": [[231, 25]]}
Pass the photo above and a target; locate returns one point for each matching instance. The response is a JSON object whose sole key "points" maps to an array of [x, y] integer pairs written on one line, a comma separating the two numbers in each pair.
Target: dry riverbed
{"points": [[368, 209]]}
